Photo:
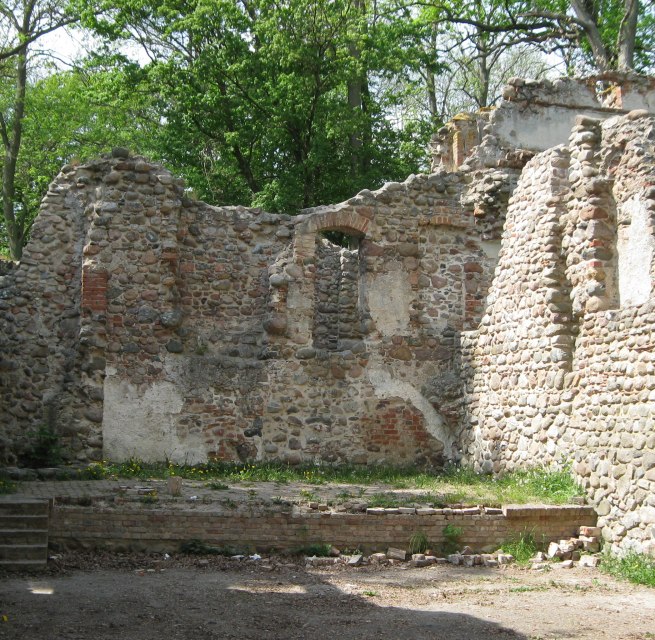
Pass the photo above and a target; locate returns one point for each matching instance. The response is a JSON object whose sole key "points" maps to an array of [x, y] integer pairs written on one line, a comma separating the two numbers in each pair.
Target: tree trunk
{"points": [[430, 81], [589, 24], [12, 138], [628, 36]]}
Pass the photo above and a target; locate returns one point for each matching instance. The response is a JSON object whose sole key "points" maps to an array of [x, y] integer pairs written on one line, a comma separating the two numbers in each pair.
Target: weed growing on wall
{"points": [[199, 547], [44, 449], [419, 542], [7, 486], [318, 549]]}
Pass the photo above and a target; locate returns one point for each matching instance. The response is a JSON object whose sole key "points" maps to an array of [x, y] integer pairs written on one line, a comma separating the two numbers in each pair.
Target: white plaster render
{"points": [[142, 424], [386, 386], [536, 129], [389, 299], [635, 248]]}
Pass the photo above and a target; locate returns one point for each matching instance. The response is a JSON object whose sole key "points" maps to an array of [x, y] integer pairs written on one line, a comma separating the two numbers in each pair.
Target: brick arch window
{"points": [[328, 246]]}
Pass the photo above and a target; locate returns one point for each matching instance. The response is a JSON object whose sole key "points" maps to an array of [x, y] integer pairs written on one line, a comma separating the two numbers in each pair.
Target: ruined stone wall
{"points": [[560, 368], [44, 359], [142, 323]]}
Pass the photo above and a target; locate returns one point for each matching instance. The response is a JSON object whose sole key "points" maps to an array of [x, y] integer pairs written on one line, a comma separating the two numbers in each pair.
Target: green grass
{"points": [[633, 566], [522, 548], [528, 588], [419, 542], [452, 485]]}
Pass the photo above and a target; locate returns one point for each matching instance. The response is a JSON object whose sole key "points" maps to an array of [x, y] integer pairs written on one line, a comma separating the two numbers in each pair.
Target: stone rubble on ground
{"points": [[566, 553]]}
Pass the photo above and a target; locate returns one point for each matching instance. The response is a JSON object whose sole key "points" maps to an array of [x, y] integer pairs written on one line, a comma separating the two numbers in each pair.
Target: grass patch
{"points": [[452, 485], [522, 548], [528, 588], [419, 543], [633, 566]]}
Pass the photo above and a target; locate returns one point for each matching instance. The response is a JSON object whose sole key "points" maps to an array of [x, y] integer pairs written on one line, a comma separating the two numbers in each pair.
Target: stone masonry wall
{"points": [[561, 370], [142, 323]]}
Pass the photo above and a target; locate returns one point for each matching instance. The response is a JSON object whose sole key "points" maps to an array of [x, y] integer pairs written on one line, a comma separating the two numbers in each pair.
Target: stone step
{"points": [[23, 522], [23, 536], [23, 533], [35, 552]]}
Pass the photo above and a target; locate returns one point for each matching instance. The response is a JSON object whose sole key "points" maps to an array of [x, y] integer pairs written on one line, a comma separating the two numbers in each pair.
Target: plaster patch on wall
{"points": [[389, 299], [635, 248], [386, 386], [143, 424]]}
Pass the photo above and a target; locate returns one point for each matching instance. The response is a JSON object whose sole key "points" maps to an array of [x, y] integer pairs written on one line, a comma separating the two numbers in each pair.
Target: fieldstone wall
{"points": [[560, 370], [142, 323]]}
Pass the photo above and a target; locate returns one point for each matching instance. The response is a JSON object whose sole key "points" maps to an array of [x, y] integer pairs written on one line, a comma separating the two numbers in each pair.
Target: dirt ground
{"points": [[138, 597]]}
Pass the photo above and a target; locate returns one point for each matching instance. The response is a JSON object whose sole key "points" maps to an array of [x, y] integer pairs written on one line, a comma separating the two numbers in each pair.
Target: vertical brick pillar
{"points": [[94, 289]]}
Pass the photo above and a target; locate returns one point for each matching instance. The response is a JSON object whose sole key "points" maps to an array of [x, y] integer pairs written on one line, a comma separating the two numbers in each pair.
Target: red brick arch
{"points": [[344, 220]]}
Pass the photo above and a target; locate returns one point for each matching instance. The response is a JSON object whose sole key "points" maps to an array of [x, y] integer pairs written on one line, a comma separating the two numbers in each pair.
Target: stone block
{"points": [[394, 553]]}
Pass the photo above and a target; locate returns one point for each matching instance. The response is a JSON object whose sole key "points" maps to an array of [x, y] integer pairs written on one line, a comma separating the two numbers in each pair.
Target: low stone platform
{"points": [[137, 515]]}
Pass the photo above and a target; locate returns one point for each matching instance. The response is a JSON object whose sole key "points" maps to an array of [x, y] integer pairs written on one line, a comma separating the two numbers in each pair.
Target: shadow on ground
{"points": [[202, 604]]}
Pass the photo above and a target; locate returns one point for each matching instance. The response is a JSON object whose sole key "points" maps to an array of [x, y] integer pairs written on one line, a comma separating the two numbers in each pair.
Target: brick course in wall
{"points": [[165, 530]]}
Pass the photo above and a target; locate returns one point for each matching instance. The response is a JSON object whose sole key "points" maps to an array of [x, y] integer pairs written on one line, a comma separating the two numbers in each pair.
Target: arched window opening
{"points": [[337, 309]]}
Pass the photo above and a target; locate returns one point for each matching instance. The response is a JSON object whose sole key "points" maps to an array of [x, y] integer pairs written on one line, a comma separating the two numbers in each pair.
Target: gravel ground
{"points": [[149, 597]]}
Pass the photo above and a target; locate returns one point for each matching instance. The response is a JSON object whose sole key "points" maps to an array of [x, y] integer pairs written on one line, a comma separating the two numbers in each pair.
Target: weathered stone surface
{"points": [[498, 313]]}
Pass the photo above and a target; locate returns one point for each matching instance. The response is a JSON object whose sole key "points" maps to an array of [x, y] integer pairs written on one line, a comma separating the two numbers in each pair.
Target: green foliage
{"points": [[44, 449], [453, 485], [71, 117], [522, 547], [94, 471], [632, 566], [419, 542], [452, 536], [278, 105]]}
